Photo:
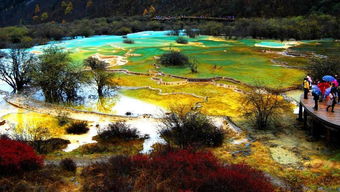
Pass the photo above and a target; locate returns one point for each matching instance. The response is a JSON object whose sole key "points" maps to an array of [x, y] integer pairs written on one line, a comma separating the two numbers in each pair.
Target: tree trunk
{"points": [[100, 91], [20, 86]]}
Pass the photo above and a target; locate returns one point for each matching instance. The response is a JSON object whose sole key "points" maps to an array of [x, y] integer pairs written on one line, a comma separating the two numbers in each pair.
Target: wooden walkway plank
{"points": [[328, 118]]}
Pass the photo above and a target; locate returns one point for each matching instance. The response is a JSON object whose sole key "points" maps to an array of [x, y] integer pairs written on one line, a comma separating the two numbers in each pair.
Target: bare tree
{"points": [[262, 104], [15, 68]]}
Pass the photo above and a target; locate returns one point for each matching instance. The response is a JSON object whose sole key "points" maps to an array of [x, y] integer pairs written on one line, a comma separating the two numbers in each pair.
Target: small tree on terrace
{"points": [[56, 76], [261, 105], [174, 58], [100, 76], [15, 68]]}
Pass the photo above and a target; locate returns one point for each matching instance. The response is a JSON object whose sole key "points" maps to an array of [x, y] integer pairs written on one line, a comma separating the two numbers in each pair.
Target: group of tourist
{"points": [[327, 89]]}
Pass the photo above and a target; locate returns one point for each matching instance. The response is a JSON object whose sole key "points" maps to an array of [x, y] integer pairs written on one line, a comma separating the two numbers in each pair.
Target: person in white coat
{"points": [[331, 101]]}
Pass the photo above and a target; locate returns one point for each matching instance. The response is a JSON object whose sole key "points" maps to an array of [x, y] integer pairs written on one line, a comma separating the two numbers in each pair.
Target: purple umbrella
{"points": [[336, 83]]}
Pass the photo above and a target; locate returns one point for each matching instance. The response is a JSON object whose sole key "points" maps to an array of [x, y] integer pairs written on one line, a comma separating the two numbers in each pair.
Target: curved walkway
{"points": [[328, 118]]}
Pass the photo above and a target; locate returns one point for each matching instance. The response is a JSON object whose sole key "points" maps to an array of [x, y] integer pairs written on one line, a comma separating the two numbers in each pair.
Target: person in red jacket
{"points": [[323, 86]]}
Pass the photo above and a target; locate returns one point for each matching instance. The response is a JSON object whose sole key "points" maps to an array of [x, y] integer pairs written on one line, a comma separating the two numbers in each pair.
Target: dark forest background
{"points": [[14, 12]]}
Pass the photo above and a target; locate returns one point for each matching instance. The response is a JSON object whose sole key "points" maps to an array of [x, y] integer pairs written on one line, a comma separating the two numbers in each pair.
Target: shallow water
{"points": [[116, 103], [111, 40], [150, 128], [5, 87], [6, 109], [271, 44]]}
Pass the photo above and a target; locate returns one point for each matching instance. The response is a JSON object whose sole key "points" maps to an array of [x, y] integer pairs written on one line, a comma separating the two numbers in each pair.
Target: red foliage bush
{"points": [[236, 178], [199, 171], [183, 171], [17, 157]]}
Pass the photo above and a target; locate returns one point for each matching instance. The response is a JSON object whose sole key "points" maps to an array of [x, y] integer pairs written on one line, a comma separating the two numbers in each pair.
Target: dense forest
{"points": [[14, 12], [299, 28]]}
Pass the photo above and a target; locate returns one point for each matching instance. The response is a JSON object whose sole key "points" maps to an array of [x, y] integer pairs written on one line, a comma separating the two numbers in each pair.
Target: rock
{"points": [[315, 164], [307, 164], [284, 156], [273, 145], [241, 152]]}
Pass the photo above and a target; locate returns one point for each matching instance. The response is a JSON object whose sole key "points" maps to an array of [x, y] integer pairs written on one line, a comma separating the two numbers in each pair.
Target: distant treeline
{"points": [[301, 27], [13, 12]]}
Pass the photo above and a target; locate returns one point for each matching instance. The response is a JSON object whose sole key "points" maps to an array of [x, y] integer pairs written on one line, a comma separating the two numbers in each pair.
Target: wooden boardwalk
{"points": [[329, 119], [169, 18]]}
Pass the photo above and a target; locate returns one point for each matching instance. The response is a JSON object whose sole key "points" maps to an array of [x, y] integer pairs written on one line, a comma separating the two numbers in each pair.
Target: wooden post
{"points": [[300, 112], [305, 115], [328, 135], [315, 132]]}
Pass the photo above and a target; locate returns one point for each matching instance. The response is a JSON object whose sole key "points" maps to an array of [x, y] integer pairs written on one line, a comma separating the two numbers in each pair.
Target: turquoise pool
{"points": [[271, 44]]}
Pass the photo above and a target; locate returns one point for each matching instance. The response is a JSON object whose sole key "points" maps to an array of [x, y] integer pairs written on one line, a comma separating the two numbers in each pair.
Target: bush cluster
{"points": [[48, 179], [173, 171], [174, 58], [128, 41], [17, 157], [78, 128], [68, 165], [118, 131], [181, 40], [191, 129], [49, 145]]}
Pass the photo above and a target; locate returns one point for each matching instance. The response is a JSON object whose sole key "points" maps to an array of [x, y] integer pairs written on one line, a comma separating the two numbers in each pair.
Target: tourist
{"points": [[331, 101], [334, 88], [306, 87], [323, 86], [338, 88], [316, 97], [309, 78]]}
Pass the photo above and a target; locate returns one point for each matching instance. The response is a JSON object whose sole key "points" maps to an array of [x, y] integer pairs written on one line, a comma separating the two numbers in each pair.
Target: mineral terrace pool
{"points": [[270, 44]]}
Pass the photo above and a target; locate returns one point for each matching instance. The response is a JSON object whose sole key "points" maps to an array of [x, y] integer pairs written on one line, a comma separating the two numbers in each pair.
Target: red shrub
{"points": [[186, 169], [17, 157], [236, 178], [198, 171], [182, 171]]}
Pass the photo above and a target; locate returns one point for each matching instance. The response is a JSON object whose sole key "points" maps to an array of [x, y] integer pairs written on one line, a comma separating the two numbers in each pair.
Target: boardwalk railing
{"points": [[320, 120], [168, 18]]}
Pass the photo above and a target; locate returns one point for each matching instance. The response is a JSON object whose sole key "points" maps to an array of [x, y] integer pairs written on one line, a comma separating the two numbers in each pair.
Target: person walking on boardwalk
{"points": [[306, 88], [309, 79], [316, 98], [331, 101], [323, 86], [338, 87], [316, 95]]}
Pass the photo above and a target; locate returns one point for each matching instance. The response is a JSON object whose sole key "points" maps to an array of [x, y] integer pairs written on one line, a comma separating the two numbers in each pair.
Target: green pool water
{"points": [[271, 44], [238, 59]]}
